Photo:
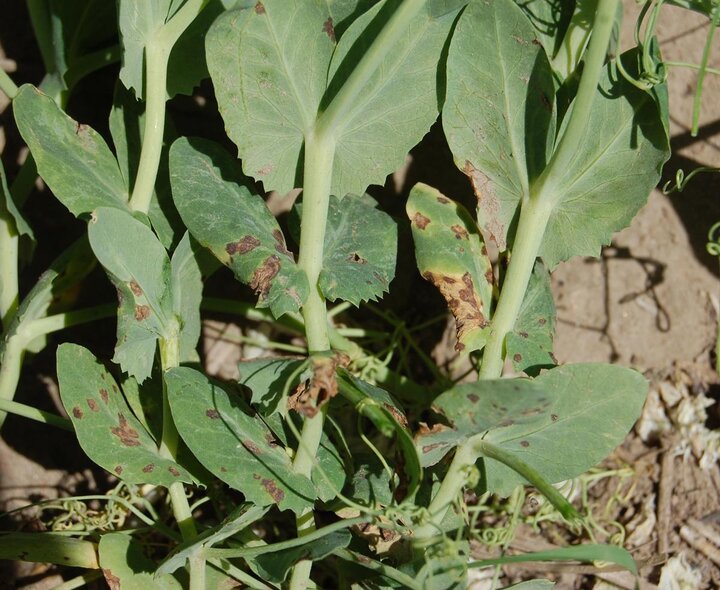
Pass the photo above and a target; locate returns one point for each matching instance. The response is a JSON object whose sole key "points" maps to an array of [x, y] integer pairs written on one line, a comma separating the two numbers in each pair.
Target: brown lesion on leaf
{"points": [[112, 580], [126, 433], [554, 417], [309, 396], [356, 258], [517, 357], [104, 394], [92, 404], [275, 492], [142, 312], [118, 470], [443, 200], [463, 300], [251, 446], [264, 274], [488, 203], [524, 444], [473, 397], [77, 412], [174, 472], [460, 232], [259, 8], [135, 288], [213, 414], [420, 220], [280, 245], [329, 29], [149, 468], [242, 246], [400, 418]]}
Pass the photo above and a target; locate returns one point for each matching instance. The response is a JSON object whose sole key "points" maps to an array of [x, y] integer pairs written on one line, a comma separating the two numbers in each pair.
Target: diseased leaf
{"points": [[529, 346], [275, 566], [139, 267], [187, 288], [550, 20], [235, 446], [499, 116], [592, 405], [125, 565], [268, 380], [360, 251], [107, 430], [276, 66], [225, 216], [54, 548], [71, 158], [616, 165], [451, 254]]}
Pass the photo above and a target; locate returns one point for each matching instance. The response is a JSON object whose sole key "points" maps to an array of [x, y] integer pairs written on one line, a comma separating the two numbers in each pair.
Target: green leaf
{"points": [[125, 565], [617, 164], [592, 405], [378, 406], [127, 127], [274, 567], [141, 20], [107, 430], [139, 267], [239, 519], [187, 288], [499, 116], [267, 379], [48, 548], [276, 66], [360, 250], [235, 446], [583, 553], [451, 254], [224, 215], [71, 158], [532, 585], [66, 271], [550, 20], [529, 346], [7, 204]]}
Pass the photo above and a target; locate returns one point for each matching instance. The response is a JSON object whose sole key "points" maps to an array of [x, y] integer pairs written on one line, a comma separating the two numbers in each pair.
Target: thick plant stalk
{"points": [[544, 194]]}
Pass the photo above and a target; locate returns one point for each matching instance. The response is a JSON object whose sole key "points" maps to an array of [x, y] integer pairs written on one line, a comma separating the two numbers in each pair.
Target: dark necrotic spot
{"points": [[356, 258], [473, 397], [525, 444], [104, 395], [517, 357], [148, 468], [77, 412], [126, 433], [259, 8], [554, 417], [212, 414], [174, 472], [329, 29], [142, 312], [420, 220], [271, 488], [118, 470], [92, 404], [136, 289], [242, 246]]}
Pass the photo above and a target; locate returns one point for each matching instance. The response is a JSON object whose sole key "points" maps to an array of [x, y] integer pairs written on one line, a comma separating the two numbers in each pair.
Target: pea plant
{"points": [[330, 468]]}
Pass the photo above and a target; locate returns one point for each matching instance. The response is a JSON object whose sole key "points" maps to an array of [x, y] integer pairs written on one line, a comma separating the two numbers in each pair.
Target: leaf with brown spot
{"points": [[592, 405], [125, 565], [499, 136], [449, 253], [109, 434], [223, 213], [360, 249], [236, 434], [320, 388], [530, 344]]}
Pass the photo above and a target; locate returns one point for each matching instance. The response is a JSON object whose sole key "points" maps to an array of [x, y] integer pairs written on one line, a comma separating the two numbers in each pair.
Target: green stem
{"points": [[536, 210], [9, 290], [87, 64], [528, 238], [57, 322], [79, 581], [170, 357], [13, 407], [547, 183], [575, 40], [157, 54], [379, 567], [7, 85], [697, 103]]}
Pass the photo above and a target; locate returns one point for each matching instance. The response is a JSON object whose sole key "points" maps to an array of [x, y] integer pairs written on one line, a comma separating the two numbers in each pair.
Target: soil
{"points": [[650, 302]]}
